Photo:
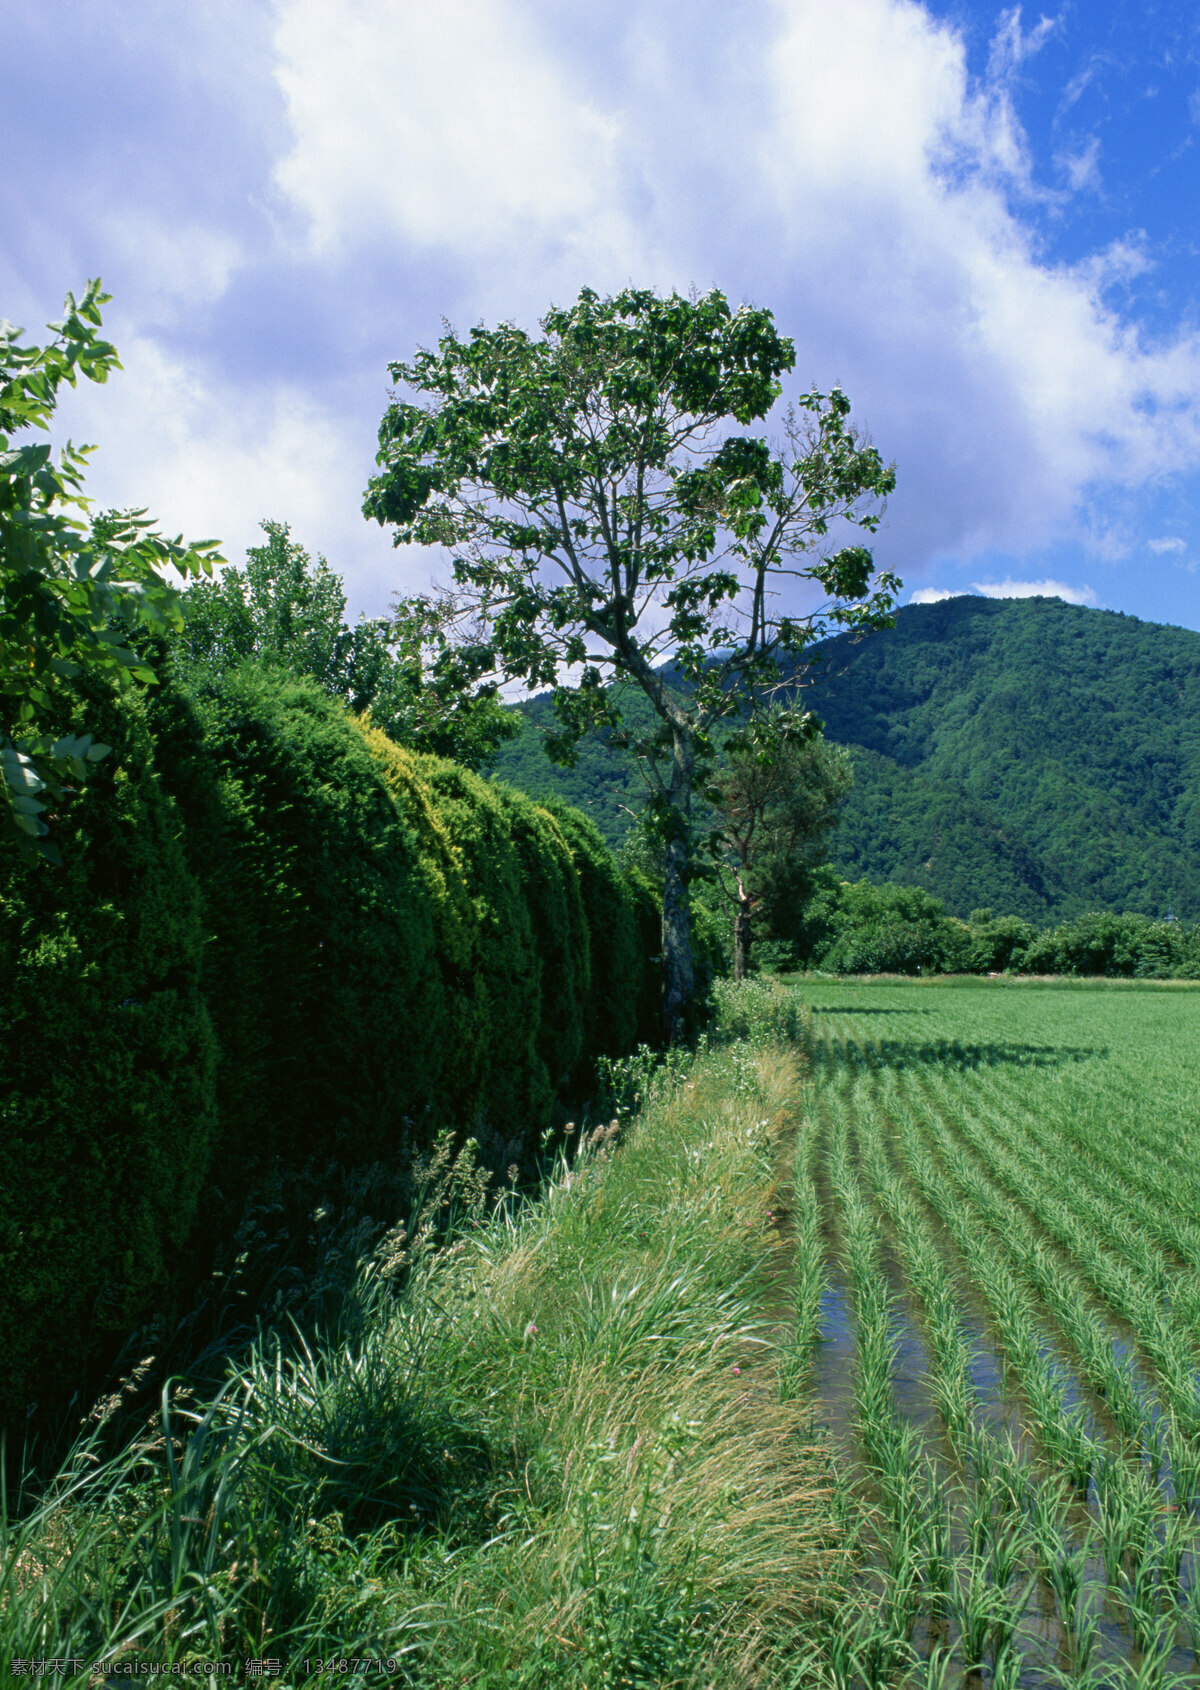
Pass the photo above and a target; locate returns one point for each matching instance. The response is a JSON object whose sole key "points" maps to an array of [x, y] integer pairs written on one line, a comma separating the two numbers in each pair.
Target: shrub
{"points": [[1118, 945], [998, 943], [107, 1064], [646, 900], [762, 1011], [465, 1056]]}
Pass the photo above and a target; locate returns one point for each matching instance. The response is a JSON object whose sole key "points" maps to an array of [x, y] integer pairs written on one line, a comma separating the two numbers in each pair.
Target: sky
{"points": [[983, 222]]}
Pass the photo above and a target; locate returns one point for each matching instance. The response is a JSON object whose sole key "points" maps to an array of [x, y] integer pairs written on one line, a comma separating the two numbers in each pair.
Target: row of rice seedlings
{"points": [[1013, 1516], [1116, 1161], [950, 1350], [1132, 1300], [809, 1273], [1015, 1520], [1112, 1375], [1139, 1156], [1133, 1224], [1138, 1561], [1144, 1546], [1085, 1188], [981, 1592], [1063, 1433], [914, 1541]]}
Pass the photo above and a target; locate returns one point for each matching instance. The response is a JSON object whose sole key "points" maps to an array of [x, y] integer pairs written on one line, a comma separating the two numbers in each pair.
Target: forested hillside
{"points": [[1030, 755]]}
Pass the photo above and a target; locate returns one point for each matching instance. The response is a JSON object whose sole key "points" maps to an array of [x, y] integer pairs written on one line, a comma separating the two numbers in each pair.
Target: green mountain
{"points": [[1025, 754]]}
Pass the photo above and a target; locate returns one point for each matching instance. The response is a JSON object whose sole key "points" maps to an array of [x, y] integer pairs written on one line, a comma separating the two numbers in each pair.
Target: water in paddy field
{"points": [[1100, 1647]]}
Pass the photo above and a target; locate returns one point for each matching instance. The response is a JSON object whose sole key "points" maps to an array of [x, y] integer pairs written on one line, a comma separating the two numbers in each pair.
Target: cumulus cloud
{"points": [[1036, 590], [1167, 543], [483, 158], [443, 124], [935, 595], [836, 163]]}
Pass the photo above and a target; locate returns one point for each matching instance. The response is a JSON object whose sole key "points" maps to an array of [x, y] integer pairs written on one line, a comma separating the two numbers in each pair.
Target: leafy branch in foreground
{"points": [[71, 592], [607, 520]]}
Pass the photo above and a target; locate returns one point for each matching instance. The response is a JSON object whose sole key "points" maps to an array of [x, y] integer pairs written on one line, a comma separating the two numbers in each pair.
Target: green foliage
{"points": [[560, 932], [278, 936], [618, 970], [505, 972], [862, 928], [287, 612], [1036, 756], [323, 981], [646, 898], [1129, 946], [868, 929], [775, 798], [603, 519], [762, 1012], [71, 595], [107, 1062]]}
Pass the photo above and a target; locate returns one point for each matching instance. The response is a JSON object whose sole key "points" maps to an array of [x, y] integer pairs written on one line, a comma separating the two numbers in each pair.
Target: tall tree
{"points": [[609, 517], [72, 592]]}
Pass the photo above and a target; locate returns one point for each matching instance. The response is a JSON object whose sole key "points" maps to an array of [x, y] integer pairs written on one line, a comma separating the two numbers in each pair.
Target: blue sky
{"points": [[981, 220]]}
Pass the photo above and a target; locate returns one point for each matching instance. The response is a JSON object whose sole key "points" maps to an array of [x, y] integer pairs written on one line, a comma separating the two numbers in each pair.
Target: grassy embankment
{"points": [[1010, 1179], [558, 1441]]}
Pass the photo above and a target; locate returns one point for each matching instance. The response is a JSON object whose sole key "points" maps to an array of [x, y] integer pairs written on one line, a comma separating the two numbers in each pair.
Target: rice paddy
{"points": [[997, 1245]]}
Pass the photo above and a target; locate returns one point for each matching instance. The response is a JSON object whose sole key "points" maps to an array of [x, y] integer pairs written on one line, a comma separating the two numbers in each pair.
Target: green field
{"points": [[997, 1219]]}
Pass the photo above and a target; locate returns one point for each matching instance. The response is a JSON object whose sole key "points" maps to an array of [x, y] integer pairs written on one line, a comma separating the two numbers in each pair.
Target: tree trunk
{"points": [[679, 975], [741, 936]]}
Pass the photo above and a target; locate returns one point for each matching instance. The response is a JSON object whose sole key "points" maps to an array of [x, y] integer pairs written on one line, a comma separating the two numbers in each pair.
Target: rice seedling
{"points": [[978, 1148]]}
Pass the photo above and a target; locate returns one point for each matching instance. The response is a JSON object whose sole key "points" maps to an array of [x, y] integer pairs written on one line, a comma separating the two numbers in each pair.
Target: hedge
{"points": [[107, 1066], [323, 979], [277, 936], [620, 972]]}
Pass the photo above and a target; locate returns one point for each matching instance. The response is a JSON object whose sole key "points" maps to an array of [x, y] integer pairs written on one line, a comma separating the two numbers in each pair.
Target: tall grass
{"points": [[542, 1444]]}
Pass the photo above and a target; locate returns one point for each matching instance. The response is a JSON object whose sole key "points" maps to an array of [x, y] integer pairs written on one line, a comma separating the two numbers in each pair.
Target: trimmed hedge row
{"points": [[276, 933], [108, 1117]]}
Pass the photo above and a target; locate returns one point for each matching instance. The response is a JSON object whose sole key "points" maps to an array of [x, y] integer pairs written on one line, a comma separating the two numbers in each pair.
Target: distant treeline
{"points": [[275, 934], [861, 928]]}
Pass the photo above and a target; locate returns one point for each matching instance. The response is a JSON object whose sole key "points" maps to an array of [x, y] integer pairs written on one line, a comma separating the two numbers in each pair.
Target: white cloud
{"points": [[935, 595], [1167, 543], [442, 124], [1011, 45], [1036, 589], [181, 266], [835, 163], [481, 158], [1082, 169]]}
